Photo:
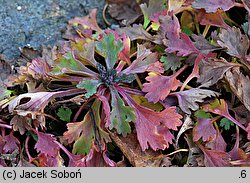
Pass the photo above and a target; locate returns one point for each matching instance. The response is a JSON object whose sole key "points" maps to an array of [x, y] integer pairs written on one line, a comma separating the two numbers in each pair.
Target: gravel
{"points": [[34, 22]]}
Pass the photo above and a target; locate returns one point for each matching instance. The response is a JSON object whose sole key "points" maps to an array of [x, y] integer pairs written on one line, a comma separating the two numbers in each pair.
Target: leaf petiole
{"points": [[81, 108], [96, 131], [206, 30]]}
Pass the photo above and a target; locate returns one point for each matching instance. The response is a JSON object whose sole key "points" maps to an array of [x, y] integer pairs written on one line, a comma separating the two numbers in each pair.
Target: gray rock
{"points": [[38, 22]]}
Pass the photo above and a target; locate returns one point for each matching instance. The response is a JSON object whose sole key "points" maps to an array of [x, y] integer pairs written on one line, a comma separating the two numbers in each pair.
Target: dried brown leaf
{"points": [[236, 43], [176, 5], [127, 12], [5, 68], [29, 54], [195, 157], [133, 152], [137, 32], [189, 99], [214, 19], [240, 85], [212, 70], [187, 124], [203, 45], [242, 114], [247, 147], [20, 123]]}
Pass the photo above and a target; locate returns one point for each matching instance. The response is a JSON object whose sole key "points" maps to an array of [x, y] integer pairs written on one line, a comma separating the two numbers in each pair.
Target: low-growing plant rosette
{"points": [[156, 81]]}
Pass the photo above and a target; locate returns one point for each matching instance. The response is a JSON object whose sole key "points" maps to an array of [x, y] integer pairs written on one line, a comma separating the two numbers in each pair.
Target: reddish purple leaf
{"points": [[238, 156], [153, 127], [236, 153], [11, 143], [214, 19], [195, 71], [46, 144], [125, 53], [98, 159], [54, 161], [156, 67], [247, 7], [204, 129], [76, 161], [2, 143], [220, 107], [183, 45], [246, 4], [214, 158], [248, 131], [248, 57], [156, 17], [173, 38], [169, 27], [218, 143], [88, 22], [145, 60], [44, 160], [165, 133], [213, 5], [147, 130], [159, 86], [106, 109]]}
